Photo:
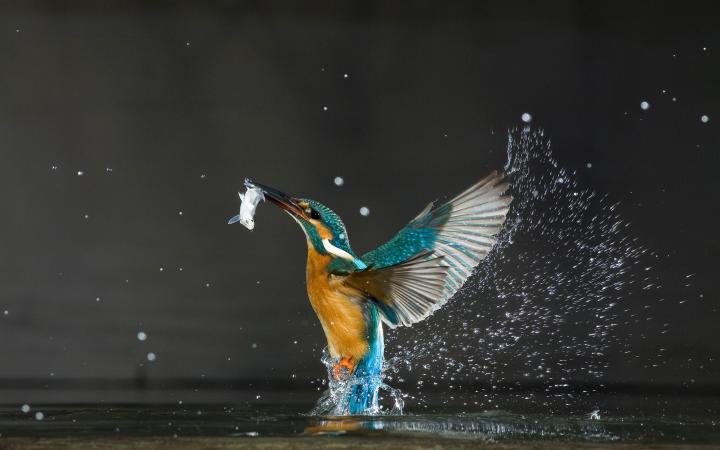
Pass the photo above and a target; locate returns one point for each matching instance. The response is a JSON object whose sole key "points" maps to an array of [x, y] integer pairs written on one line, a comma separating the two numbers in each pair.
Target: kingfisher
{"points": [[399, 283]]}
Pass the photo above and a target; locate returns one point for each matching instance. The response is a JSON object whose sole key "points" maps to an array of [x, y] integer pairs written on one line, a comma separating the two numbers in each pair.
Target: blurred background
{"points": [[127, 127]]}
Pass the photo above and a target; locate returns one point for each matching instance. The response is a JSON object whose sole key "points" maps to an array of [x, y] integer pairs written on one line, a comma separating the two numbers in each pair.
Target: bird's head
{"points": [[323, 228]]}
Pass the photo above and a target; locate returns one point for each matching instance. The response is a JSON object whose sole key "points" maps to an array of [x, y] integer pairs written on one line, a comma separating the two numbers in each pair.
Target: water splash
{"points": [[546, 304], [335, 401]]}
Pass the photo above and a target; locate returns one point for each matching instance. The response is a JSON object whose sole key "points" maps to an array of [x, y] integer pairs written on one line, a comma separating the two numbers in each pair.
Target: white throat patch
{"points": [[340, 253]]}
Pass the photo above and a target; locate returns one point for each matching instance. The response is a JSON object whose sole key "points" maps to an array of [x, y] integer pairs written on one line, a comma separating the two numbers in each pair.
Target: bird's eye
{"points": [[314, 214]]}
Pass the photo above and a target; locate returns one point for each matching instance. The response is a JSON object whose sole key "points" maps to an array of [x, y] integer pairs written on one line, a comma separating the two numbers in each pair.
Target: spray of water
{"points": [[336, 399], [545, 306]]}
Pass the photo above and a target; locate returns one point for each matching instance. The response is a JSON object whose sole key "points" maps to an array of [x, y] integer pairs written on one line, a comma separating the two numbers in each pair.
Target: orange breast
{"points": [[338, 307]]}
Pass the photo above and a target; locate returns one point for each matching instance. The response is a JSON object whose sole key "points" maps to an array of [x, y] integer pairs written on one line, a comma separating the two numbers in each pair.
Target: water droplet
{"points": [[345, 75], [39, 415], [141, 336], [364, 211], [151, 356], [325, 108], [25, 408], [526, 117], [339, 181], [80, 173], [704, 118], [644, 105]]}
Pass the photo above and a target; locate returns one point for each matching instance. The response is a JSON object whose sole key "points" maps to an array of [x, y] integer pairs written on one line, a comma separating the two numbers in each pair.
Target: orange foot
{"points": [[345, 363]]}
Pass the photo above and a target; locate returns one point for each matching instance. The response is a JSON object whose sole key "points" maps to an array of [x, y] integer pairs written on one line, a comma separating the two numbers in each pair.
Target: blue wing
{"points": [[461, 231]]}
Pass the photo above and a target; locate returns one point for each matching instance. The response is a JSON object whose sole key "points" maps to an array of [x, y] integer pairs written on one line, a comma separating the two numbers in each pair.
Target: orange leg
{"points": [[345, 363]]}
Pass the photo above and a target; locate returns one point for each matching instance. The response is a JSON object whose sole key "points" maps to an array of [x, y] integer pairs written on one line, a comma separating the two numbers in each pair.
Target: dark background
{"points": [[167, 106]]}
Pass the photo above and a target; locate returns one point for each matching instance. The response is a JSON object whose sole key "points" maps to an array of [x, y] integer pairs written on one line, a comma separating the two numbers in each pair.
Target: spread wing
{"points": [[457, 234]]}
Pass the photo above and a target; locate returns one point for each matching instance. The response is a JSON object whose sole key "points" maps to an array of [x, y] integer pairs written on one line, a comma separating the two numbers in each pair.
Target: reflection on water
{"points": [[490, 426], [180, 421]]}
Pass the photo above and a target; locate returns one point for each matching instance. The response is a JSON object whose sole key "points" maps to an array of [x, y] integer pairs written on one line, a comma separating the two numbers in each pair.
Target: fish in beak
{"points": [[254, 194], [281, 199]]}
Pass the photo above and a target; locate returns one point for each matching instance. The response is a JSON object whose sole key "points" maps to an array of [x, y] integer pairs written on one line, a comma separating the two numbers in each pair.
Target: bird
{"points": [[399, 283]]}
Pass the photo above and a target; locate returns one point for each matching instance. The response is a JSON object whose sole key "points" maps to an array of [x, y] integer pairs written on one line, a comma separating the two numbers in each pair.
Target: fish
{"points": [[248, 204]]}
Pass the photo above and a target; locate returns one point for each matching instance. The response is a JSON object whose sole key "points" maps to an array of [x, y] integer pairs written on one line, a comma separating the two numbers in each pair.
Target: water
{"points": [[244, 422]]}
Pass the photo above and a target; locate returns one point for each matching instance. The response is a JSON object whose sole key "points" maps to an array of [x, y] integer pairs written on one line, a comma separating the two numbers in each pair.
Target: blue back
{"points": [[417, 236]]}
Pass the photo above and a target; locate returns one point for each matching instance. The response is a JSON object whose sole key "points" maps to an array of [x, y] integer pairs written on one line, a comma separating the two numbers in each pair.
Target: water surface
{"points": [[214, 426]]}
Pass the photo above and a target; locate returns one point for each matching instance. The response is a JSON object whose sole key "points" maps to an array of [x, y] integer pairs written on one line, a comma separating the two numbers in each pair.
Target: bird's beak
{"points": [[281, 199]]}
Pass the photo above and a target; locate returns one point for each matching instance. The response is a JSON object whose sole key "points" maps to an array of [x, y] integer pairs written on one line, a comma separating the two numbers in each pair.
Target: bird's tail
{"points": [[367, 377]]}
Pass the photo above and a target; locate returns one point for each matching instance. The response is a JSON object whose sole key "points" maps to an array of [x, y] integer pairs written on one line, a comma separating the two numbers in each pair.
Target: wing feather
{"points": [[461, 231], [407, 292]]}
